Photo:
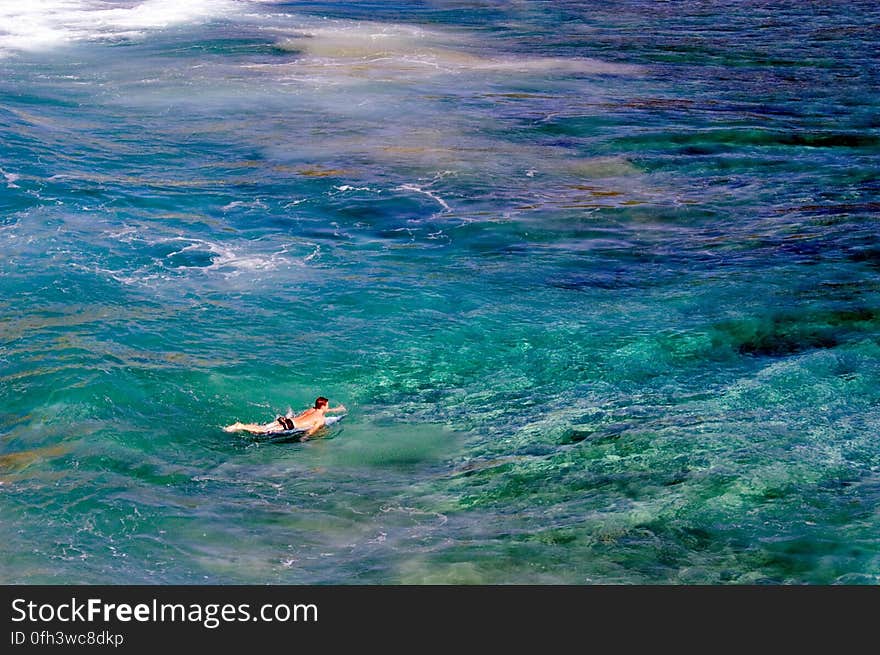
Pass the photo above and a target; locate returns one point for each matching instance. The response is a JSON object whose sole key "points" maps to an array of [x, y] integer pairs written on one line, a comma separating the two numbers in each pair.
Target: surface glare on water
{"points": [[597, 282]]}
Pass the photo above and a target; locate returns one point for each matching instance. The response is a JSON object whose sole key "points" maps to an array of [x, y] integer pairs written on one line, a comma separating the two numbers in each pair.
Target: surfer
{"points": [[311, 420]]}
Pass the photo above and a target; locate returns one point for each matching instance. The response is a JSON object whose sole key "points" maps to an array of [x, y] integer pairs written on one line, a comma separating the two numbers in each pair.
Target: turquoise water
{"points": [[598, 283]]}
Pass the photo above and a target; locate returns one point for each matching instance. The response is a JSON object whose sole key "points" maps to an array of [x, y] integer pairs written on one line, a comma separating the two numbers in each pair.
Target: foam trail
{"points": [[11, 179], [430, 194], [256, 204]]}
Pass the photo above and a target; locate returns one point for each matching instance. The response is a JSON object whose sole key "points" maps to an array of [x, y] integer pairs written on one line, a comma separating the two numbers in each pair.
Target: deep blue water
{"points": [[598, 283]]}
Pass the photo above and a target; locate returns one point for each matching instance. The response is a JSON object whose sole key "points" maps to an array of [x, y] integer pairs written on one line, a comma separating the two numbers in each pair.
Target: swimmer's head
{"points": [[320, 402]]}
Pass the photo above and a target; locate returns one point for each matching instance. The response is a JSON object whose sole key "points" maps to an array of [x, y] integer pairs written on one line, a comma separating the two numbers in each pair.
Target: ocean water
{"points": [[597, 281]]}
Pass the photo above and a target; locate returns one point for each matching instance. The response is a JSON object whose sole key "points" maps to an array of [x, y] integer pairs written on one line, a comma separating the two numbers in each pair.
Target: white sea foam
{"points": [[191, 258], [314, 254], [125, 234], [43, 24], [11, 179], [433, 196], [348, 187], [227, 259], [256, 204]]}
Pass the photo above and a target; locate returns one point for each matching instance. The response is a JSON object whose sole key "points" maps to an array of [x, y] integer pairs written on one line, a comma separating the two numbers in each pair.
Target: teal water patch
{"points": [[597, 285]]}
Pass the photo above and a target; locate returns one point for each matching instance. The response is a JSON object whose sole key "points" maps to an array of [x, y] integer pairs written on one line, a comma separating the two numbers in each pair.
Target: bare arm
{"points": [[341, 408], [311, 431]]}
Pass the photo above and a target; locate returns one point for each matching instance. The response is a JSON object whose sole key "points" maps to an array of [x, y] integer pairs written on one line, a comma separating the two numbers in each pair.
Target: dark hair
{"points": [[320, 400]]}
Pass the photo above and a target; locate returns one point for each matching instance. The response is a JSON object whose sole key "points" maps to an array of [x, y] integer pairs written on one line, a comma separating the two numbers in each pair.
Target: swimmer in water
{"points": [[311, 420]]}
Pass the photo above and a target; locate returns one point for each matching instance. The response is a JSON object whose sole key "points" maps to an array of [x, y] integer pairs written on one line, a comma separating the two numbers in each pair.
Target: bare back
{"points": [[309, 419]]}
